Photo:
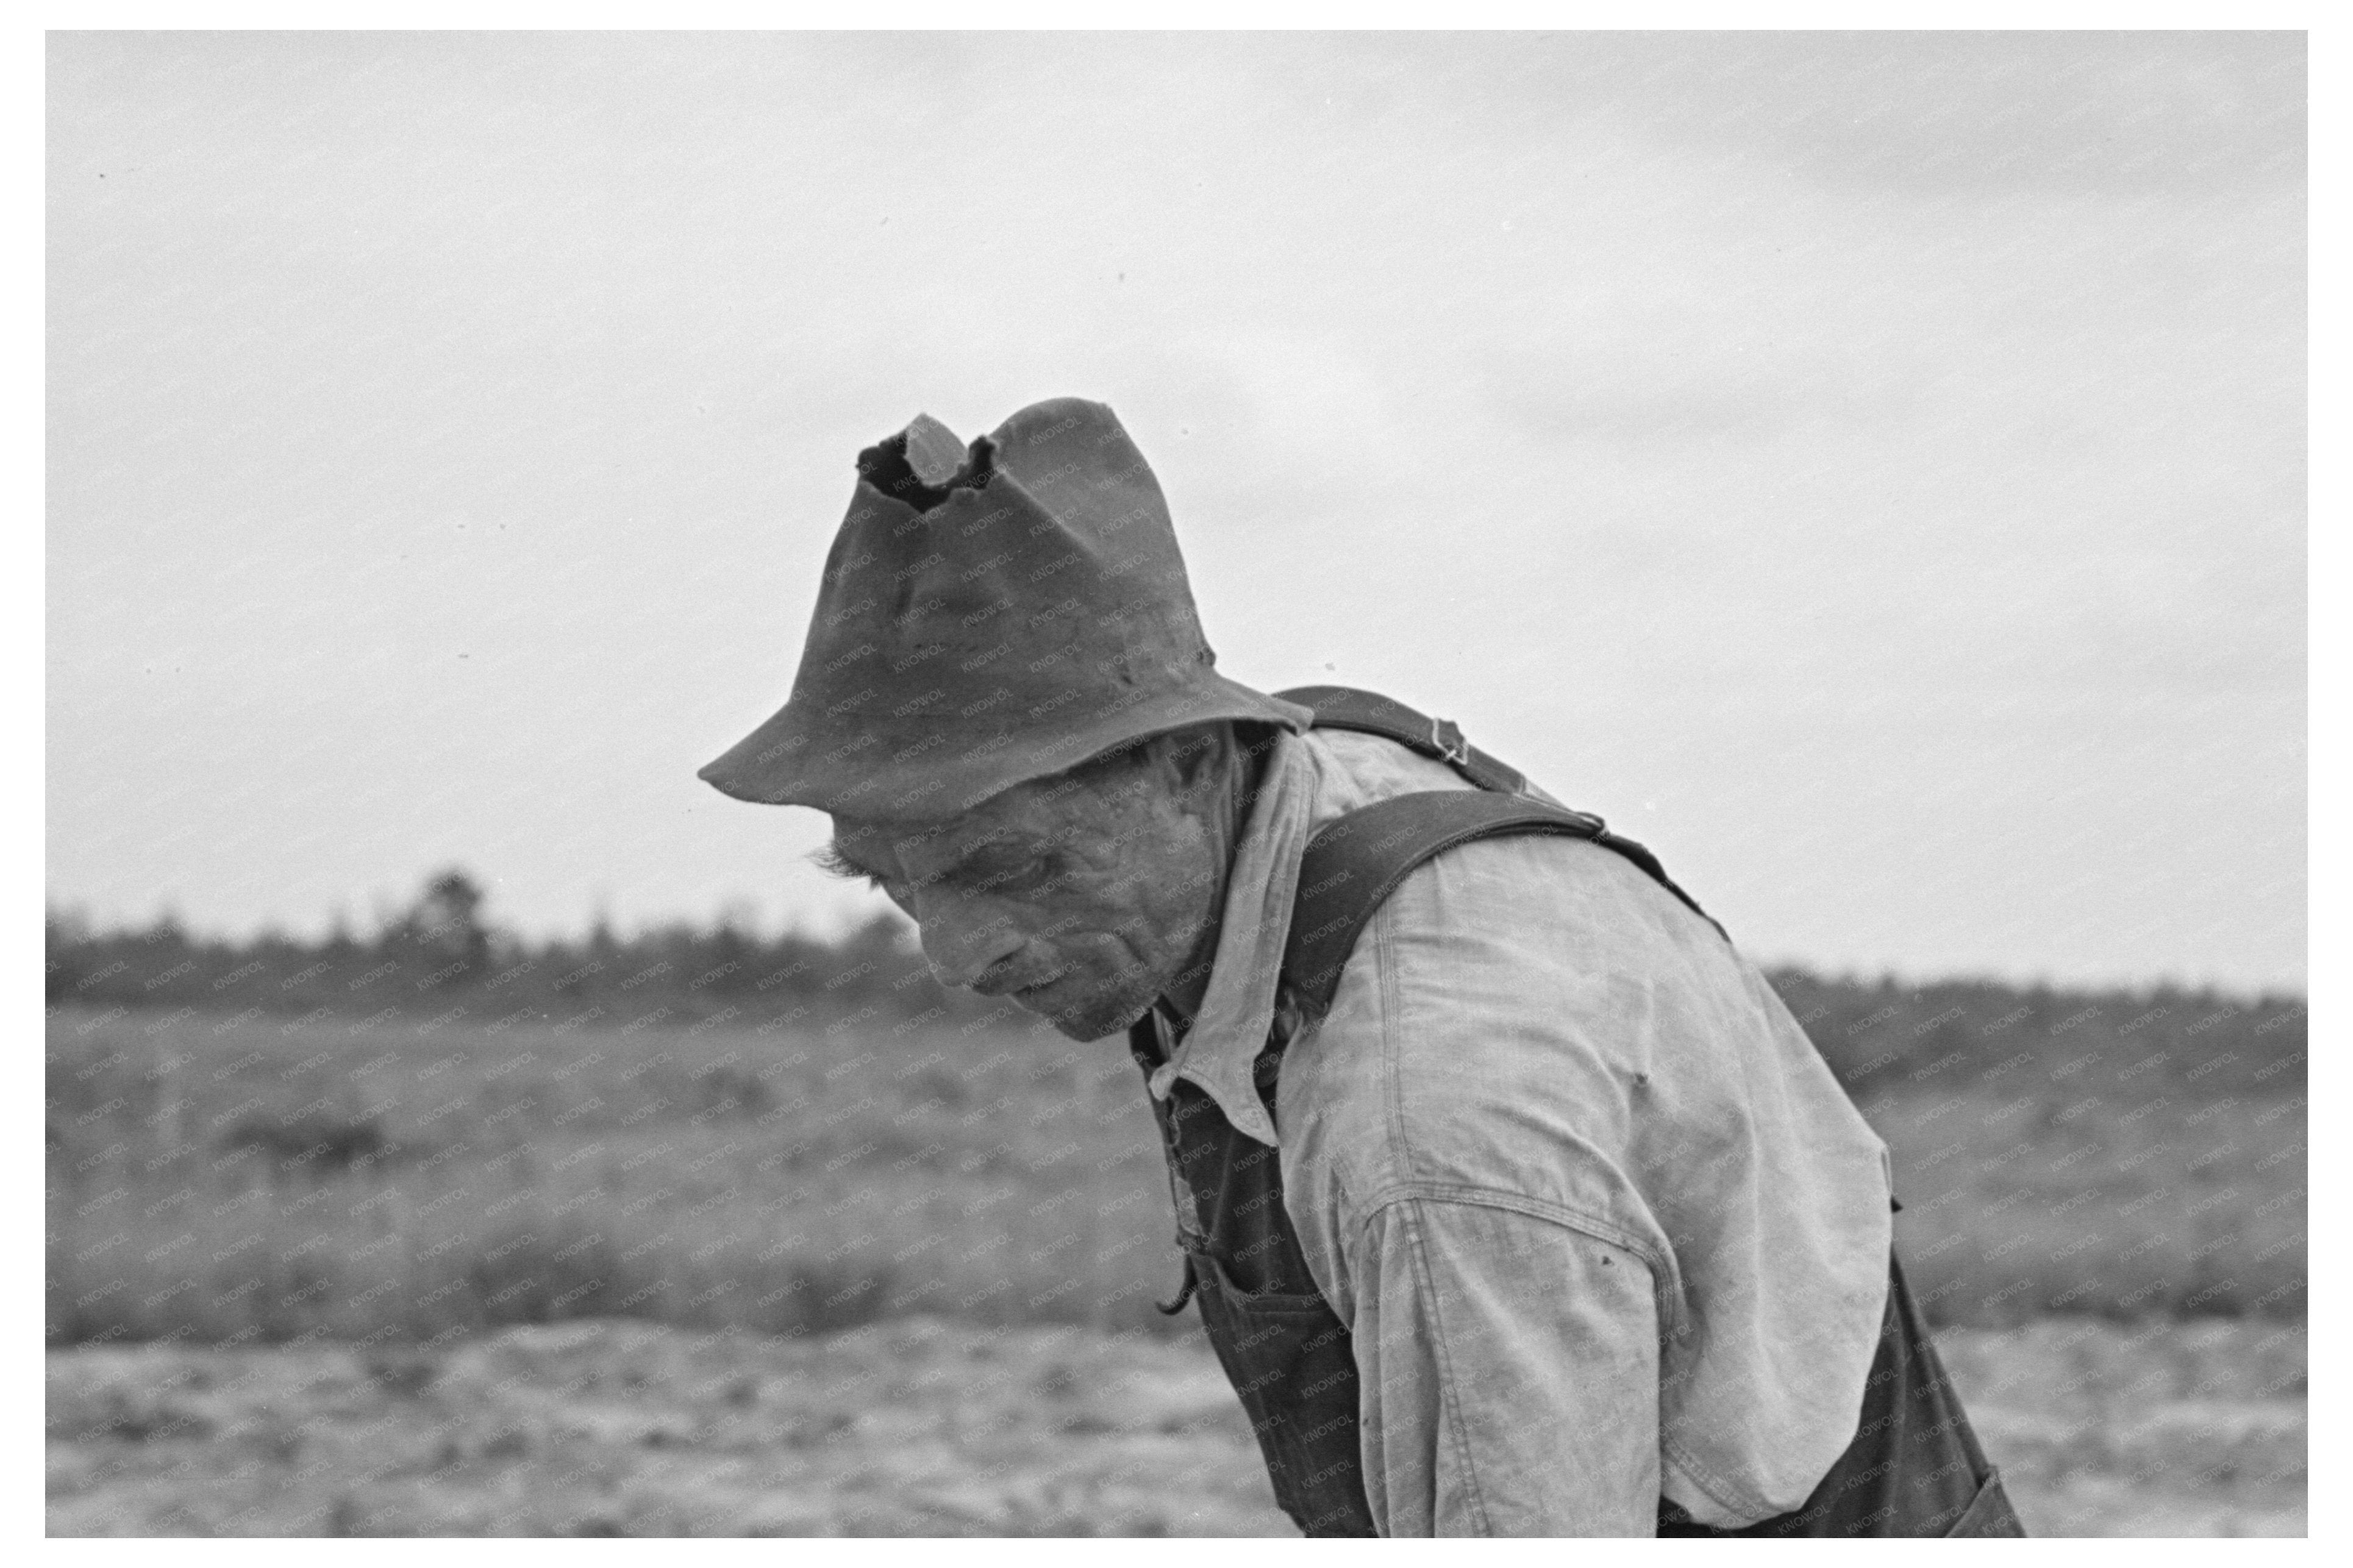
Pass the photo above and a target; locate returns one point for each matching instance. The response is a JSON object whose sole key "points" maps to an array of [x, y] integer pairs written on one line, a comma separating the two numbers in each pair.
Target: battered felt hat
{"points": [[986, 617]]}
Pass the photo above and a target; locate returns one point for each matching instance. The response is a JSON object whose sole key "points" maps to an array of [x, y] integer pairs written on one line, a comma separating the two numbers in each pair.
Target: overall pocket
{"points": [[1292, 1364]]}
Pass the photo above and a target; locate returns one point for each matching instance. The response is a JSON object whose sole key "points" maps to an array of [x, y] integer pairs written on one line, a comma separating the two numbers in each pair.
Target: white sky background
{"points": [[1868, 469]]}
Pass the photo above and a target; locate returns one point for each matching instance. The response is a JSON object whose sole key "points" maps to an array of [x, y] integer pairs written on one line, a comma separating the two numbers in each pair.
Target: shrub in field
{"points": [[321, 1142]]}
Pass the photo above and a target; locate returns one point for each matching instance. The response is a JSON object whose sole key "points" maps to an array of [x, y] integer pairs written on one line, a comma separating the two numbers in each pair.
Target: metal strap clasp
{"points": [[1447, 736]]}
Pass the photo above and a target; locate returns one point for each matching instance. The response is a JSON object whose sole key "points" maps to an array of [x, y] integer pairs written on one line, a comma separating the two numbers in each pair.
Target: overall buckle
{"points": [[1447, 736]]}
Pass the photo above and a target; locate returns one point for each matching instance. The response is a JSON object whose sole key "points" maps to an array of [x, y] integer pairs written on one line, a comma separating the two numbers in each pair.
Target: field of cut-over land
{"points": [[893, 1273], [928, 1427]]}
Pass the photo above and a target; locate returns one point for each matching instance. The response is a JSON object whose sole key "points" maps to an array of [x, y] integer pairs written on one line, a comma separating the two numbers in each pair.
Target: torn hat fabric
{"points": [[990, 615]]}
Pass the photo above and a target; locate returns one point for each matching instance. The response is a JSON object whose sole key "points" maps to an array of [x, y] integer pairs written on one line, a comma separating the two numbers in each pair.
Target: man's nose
{"points": [[963, 937]]}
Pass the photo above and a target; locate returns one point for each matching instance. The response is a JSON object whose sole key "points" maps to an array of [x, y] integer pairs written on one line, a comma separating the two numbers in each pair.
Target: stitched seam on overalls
{"points": [[1426, 1287]]}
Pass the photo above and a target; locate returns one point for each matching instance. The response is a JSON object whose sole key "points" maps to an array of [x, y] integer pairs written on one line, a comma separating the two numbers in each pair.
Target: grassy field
{"points": [[926, 1426], [235, 1179], [231, 1179], [409, 1274], [2022, 1205]]}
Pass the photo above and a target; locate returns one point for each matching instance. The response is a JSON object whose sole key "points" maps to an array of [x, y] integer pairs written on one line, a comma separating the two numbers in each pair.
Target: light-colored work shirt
{"points": [[1601, 1224]]}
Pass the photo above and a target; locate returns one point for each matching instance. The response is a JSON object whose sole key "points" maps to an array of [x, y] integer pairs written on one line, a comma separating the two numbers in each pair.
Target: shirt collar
{"points": [[1246, 972]]}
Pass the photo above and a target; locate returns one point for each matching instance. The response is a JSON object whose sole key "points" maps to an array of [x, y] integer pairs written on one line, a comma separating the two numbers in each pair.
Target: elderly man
{"points": [[1514, 1200]]}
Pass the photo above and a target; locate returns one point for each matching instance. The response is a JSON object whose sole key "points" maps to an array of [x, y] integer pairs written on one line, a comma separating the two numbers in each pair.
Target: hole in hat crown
{"points": [[924, 476]]}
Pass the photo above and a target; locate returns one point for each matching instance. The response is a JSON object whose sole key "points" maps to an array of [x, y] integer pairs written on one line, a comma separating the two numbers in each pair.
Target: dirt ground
{"points": [[926, 1426]]}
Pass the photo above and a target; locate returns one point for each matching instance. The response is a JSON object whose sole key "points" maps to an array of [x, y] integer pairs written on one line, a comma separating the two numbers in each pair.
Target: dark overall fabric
{"points": [[1912, 1469], [1288, 1355]]}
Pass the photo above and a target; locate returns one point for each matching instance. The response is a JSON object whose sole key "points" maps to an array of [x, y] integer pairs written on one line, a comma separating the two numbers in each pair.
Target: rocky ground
{"points": [[925, 1426]]}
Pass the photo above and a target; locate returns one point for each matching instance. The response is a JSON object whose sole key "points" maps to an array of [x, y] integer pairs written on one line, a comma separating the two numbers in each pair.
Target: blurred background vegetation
{"points": [[439, 1127]]}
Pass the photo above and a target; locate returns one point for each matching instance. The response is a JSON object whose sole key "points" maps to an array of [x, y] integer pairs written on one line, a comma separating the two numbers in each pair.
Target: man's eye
{"points": [[834, 863], [1024, 878]]}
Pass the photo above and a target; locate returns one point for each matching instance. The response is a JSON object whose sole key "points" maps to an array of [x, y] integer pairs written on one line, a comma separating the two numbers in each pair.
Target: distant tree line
{"points": [[1887, 1038], [441, 957]]}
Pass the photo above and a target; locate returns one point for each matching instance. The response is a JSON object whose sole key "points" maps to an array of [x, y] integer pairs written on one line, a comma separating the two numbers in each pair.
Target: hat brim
{"points": [[924, 768]]}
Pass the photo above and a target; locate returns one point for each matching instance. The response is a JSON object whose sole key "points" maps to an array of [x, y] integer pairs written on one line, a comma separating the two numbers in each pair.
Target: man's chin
{"points": [[1087, 1018]]}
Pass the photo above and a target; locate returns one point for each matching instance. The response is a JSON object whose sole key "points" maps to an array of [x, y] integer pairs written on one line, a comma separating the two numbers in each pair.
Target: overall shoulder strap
{"points": [[1346, 707], [1353, 864]]}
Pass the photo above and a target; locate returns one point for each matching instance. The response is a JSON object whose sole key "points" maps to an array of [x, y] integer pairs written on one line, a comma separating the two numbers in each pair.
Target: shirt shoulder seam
{"points": [[1412, 1196], [1664, 1274]]}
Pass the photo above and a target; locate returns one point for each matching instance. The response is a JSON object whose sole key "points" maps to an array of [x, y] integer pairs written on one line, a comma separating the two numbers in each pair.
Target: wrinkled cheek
{"points": [[1103, 958], [956, 944]]}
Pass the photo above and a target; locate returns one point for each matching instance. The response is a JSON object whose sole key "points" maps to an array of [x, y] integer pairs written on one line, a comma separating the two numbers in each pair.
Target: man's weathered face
{"points": [[1080, 897]]}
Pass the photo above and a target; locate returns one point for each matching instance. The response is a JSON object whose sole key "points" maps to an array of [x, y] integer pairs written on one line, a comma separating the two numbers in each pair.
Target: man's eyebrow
{"points": [[830, 858]]}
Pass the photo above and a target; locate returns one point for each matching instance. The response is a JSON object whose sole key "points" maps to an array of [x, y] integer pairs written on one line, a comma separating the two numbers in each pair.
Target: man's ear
{"points": [[1196, 757]]}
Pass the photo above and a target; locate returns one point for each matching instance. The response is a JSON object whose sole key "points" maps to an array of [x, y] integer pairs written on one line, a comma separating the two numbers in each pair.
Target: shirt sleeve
{"points": [[1509, 1374]]}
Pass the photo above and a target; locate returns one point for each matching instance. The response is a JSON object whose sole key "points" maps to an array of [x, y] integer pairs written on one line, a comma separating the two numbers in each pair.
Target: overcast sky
{"points": [[1868, 469]]}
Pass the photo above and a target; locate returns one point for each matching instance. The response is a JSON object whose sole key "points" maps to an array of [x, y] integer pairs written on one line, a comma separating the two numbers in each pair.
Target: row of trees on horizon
{"points": [[442, 958], [441, 953]]}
